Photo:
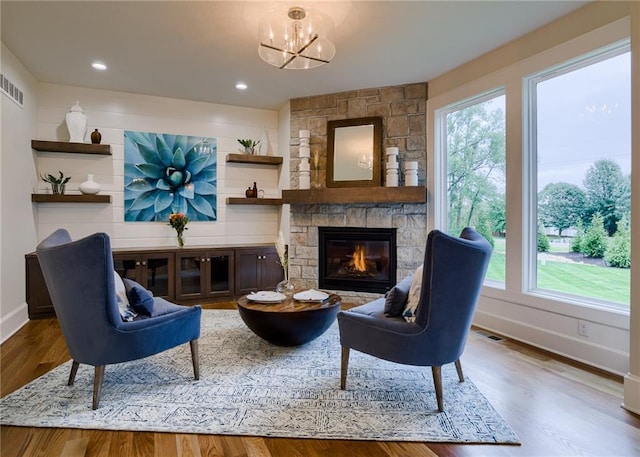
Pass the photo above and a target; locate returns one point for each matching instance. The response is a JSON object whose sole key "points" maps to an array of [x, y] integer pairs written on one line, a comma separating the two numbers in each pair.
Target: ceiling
{"points": [[199, 50]]}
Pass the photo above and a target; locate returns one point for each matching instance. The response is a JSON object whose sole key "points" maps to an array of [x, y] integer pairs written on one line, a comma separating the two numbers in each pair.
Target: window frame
{"points": [[530, 193]]}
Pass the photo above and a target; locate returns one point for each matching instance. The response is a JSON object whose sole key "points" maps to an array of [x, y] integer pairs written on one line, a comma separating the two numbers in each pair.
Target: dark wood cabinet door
{"points": [[257, 269], [157, 274], [127, 266], [272, 272], [220, 273], [39, 302], [248, 274], [190, 275]]}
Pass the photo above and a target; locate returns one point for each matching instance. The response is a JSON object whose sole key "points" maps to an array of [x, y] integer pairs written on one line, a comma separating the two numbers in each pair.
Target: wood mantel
{"points": [[342, 195]]}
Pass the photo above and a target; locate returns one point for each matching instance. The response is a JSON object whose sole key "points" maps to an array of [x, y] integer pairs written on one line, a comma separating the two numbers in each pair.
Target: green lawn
{"points": [[603, 283]]}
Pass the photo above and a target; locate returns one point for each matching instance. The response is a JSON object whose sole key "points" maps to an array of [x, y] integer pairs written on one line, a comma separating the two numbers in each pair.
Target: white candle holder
{"points": [[304, 152], [411, 174]]}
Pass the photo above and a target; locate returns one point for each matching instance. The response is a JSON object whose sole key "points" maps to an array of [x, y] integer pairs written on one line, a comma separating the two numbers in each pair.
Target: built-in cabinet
{"points": [[257, 269], [153, 270], [184, 276], [204, 275], [38, 299]]}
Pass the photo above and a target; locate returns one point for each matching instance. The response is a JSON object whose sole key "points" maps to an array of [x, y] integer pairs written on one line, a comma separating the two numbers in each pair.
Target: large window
{"points": [[474, 141], [552, 132], [580, 148]]}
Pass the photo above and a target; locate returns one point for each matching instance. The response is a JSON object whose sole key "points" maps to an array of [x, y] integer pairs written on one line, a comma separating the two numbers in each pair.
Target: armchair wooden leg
{"points": [[195, 358], [74, 370], [437, 382], [459, 370], [343, 367], [97, 385]]}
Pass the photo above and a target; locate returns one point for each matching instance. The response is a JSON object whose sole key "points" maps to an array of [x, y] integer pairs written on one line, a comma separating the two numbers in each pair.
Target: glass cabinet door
{"points": [[157, 274], [220, 272], [151, 271], [190, 272], [127, 266]]}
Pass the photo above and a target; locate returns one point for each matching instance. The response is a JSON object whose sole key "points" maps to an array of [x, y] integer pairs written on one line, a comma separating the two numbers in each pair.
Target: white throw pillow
{"points": [[413, 299], [126, 311]]}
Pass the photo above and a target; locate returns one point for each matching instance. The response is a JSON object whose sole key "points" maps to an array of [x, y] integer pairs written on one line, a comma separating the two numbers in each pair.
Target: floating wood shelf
{"points": [[74, 148], [414, 194], [254, 201], [73, 198], [260, 160]]}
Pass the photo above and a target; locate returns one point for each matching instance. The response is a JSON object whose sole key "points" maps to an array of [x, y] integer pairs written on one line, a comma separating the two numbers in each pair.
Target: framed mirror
{"points": [[354, 152]]}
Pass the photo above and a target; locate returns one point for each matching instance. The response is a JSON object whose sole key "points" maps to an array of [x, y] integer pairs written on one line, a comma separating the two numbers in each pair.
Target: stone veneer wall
{"points": [[403, 110]]}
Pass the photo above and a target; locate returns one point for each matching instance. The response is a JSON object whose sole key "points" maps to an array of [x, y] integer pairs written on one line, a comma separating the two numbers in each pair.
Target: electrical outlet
{"points": [[583, 328]]}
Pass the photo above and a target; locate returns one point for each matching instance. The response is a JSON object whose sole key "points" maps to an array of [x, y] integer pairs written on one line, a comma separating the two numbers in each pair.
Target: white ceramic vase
{"points": [[90, 187], [76, 124]]}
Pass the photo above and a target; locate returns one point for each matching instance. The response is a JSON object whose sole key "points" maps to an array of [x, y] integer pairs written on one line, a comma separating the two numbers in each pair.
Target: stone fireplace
{"points": [[403, 110], [357, 259], [408, 219]]}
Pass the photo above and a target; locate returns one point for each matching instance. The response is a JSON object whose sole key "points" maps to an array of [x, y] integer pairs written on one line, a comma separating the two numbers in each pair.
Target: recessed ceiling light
{"points": [[99, 66], [241, 86]]}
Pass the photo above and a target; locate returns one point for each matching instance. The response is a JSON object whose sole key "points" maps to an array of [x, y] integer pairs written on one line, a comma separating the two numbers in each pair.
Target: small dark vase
{"points": [[251, 192], [96, 137]]}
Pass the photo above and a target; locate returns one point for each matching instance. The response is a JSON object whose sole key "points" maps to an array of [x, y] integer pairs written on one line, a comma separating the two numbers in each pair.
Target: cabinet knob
{"points": [[137, 263], [144, 262], [208, 259]]}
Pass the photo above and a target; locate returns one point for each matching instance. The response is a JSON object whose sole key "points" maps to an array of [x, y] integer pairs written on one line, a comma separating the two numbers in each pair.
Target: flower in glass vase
{"points": [[179, 221]]}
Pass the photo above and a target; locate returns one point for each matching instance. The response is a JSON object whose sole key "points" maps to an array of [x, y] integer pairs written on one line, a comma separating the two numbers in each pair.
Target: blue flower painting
{"points": [[166, 174]]}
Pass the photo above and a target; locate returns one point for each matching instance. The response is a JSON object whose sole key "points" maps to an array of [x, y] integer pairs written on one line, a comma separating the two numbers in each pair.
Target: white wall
{"points": [[17, 177], [113, 113]]}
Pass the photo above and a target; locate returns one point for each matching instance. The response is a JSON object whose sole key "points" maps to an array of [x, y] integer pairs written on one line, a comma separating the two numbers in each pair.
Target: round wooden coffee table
{"points": [[289, 323]]}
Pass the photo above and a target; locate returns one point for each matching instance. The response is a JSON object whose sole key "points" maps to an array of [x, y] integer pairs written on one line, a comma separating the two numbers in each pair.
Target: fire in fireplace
{"points": [[357, 259]]}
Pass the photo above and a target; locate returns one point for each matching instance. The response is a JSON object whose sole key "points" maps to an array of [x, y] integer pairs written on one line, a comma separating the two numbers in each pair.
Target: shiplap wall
{"points": [[114, 112]]}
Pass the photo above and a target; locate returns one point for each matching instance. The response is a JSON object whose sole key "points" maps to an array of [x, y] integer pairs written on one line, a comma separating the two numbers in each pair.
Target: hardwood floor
{"points": [[557, 408]]}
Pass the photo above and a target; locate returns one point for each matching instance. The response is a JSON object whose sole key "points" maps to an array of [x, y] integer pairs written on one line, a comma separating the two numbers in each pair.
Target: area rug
{"points": [[250, 387]]}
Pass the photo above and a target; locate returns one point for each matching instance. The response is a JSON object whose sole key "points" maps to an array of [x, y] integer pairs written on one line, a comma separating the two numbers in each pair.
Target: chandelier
{"points": [[296, 39]]}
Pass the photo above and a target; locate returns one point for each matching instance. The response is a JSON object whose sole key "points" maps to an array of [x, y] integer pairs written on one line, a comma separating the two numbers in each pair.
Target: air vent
{"points": [[11, 91], [489, 335]]}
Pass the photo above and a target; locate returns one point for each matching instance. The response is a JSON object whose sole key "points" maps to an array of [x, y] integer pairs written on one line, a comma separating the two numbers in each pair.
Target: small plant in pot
{"points": [[57, 184], [249, 145]]}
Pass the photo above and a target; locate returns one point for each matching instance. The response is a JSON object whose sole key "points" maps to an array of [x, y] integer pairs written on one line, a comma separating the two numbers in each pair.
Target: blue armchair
{"points": [[453, 273], [80, 278]]}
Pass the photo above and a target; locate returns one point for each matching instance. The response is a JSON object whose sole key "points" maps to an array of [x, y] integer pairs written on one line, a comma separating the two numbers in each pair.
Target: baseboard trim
{"points": [[586, 352], [13, 322], [631, 393]]}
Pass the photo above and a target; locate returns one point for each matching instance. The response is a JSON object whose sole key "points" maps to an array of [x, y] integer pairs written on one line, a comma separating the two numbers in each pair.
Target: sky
{"points": [[584, 116]]}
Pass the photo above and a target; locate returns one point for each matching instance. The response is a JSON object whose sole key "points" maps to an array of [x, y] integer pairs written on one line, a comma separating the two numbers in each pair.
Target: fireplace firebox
{"points": [[357, 259]]}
